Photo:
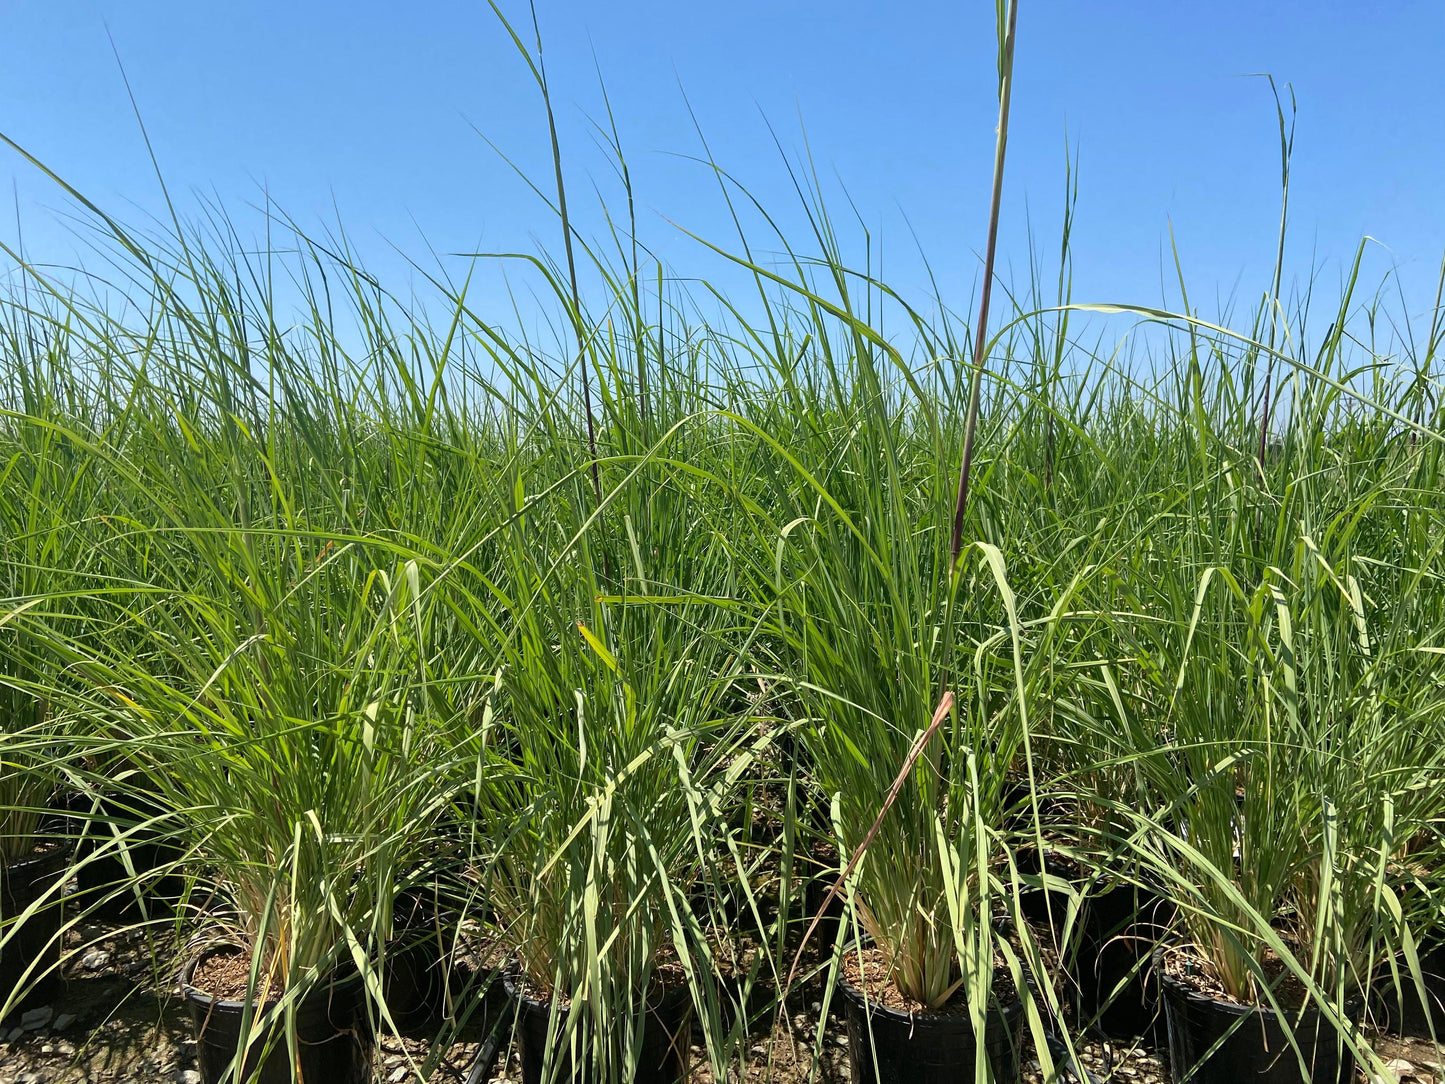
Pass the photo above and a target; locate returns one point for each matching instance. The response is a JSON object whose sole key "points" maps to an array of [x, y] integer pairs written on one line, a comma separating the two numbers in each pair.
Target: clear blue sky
{"points": [[372, 105]]}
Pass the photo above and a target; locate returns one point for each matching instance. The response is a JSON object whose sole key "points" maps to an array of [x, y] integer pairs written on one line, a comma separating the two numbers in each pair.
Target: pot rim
{"points": [[514, 982], [1109, 883], [57, 848], [26, 878], [194, 993], [1353, 1009], [1004, 1009]]}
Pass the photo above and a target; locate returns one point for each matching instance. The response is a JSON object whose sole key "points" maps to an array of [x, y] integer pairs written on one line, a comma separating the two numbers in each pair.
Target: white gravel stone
{"points": [[95, 959]]}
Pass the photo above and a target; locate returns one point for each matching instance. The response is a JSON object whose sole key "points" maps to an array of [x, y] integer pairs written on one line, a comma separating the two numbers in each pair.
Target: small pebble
{"points": [[188, 1076], [95, 959], [64, 1020], [399, 1074], [37, 1018]]}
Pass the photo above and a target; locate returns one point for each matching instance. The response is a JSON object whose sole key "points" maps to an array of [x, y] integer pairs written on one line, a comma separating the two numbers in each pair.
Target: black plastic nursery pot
{"points": [[1048, 906], [422, 986], [754, 1004], [104, 884], [36, 942], [1402, 1011], [333, 1036], [419, 979], [1107, 962], [730, 906], [746, 988], [888, 1046], [665, 1039], [1119, 927], [1250, 1043]]}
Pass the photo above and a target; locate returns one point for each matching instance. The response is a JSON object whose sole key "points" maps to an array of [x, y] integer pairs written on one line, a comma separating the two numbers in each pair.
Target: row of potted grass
{"points": [[318, 620], [311, 745]]}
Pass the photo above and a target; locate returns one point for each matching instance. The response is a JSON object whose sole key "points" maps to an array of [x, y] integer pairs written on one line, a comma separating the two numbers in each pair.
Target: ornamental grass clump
{"points": [[31, 759], [47, 558], [915, 676], [275, 713], [46, 490], [603, 763], [1296, 768], [1273, 695]]}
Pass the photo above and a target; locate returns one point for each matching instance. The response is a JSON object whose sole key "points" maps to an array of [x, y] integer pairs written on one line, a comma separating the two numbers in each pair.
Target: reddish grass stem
{"points": [[980, 341]]}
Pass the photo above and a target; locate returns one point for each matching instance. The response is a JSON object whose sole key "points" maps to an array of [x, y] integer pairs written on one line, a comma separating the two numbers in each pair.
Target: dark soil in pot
{"points": [[1401, 1011], [333, 1034], [895, 1044], [1248, 1043], [35, 946], [664, 1046]]}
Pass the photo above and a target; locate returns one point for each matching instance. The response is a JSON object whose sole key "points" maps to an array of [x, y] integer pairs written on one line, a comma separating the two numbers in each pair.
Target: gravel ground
{"points": [[120, 1020]]}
